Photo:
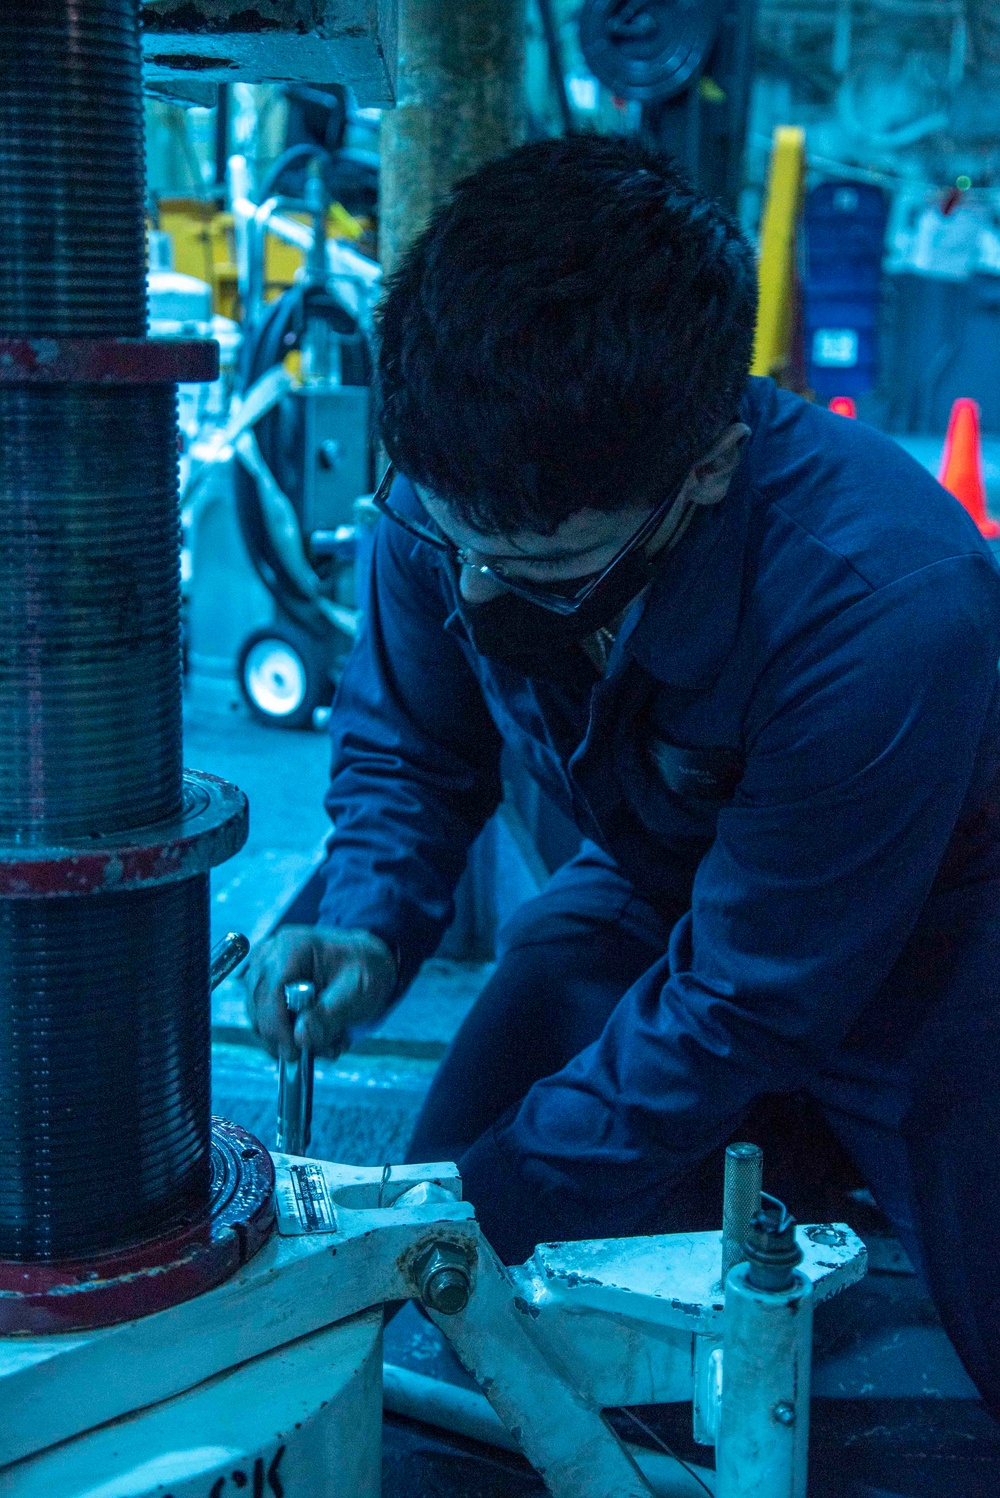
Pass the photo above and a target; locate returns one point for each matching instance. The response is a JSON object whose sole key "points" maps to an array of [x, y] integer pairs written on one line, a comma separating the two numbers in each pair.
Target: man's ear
{"points": [[711, 476]]}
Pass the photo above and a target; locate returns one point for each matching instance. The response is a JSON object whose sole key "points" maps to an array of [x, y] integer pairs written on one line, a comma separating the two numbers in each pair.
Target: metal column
{"points": [[460, 103], [105, 843]]}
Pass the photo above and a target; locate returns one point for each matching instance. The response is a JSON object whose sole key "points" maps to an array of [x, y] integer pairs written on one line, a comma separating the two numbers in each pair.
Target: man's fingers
{"points": [[277, 963], [323, 1028], [272, 1021], [353, 970]]}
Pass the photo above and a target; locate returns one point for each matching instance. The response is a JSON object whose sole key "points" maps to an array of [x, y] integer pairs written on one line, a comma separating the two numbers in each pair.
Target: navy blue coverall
{"points": [[789, 783]]}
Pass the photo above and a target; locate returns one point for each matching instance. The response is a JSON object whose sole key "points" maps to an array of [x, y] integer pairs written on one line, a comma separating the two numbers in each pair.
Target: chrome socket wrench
{"points": [[295, 1082]]}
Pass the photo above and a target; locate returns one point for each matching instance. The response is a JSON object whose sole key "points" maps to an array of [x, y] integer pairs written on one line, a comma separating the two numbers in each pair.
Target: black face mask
{"points": [[534, 641]]}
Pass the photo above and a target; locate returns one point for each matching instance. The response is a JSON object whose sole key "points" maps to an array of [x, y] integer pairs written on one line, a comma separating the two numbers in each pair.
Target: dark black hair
{"points": [[573, 329]]}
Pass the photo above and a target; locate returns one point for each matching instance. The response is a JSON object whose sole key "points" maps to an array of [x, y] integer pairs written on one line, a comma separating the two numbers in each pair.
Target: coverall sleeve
{"points": [[861, 744], [415, 768]]}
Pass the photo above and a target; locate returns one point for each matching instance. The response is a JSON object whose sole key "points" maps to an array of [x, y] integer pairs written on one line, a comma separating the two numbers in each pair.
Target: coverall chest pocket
{"points": [[702, 776], [676, 789]]}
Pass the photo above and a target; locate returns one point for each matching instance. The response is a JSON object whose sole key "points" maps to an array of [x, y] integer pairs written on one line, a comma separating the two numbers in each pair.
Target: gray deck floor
{"points": [[284, 776]]}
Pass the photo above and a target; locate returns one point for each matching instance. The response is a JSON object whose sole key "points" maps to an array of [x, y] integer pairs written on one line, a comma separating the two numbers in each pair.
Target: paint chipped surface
{"points": [[275, 41], [674, 1280]]}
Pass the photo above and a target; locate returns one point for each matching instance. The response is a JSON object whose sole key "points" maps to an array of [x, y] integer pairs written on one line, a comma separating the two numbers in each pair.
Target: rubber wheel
{"points": [[283, 676]]}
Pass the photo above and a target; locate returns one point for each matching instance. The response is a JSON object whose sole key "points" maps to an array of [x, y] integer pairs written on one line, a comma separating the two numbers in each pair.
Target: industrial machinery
{"points": [[271, 490], [273, 1381], [115, 1195], [688, 69]]}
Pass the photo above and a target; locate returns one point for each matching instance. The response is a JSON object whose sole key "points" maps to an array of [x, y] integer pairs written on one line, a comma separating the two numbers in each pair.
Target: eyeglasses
{"points": [[560, 597]]}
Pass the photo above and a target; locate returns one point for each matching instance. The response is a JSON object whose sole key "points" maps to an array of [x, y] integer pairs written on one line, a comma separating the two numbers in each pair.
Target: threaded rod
{"points": [[90, 722], [104, 1112], [71, 169]]}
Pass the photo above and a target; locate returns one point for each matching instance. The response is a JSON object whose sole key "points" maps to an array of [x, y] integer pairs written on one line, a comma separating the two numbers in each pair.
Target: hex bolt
{"points": [[447, 1290], [783, 1413], [443, 1278]]}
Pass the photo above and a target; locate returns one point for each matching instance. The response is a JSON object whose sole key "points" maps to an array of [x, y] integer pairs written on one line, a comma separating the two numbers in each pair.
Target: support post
{"points": [[762, 1449], [762, 1446], [460, 103]]}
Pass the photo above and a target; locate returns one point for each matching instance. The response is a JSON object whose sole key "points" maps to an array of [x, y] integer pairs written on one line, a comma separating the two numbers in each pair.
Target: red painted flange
{"points": [[151, 1276], [212, 827], [108, 361]]}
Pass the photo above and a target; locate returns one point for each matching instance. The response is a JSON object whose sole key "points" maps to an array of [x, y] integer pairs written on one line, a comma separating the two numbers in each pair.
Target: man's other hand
{"points": [[354, 974]]}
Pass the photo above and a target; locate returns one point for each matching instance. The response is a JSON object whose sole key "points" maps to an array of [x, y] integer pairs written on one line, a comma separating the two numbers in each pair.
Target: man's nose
{"points": [[478, 587]]}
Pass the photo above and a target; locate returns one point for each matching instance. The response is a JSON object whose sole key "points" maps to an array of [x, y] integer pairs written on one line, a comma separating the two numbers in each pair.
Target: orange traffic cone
{"points": [[962, 464], [843, 405]]}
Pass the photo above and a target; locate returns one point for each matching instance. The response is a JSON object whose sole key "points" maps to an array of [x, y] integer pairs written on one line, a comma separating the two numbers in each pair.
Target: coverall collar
{"points": [[684, 630]]}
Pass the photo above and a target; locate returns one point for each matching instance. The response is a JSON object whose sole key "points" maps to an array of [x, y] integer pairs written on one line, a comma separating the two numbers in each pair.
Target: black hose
{"points": [[258, 353], [279, 330], [303, 151]]}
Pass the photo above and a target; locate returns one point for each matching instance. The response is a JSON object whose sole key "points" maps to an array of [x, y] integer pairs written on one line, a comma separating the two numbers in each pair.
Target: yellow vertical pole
{"points": [[772, 346]]}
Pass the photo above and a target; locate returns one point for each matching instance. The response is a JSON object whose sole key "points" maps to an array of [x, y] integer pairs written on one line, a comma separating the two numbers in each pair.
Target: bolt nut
{"points": [[443, 1279], [783, 1413], [447, 1291], [771, 1250]]}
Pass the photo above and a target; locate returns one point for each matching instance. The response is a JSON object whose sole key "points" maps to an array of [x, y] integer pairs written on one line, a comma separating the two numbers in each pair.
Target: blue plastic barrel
{"points": [[843, 235]]}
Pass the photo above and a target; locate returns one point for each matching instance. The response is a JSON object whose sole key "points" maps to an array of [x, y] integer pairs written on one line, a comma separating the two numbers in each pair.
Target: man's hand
{"points": [[355, 977]]}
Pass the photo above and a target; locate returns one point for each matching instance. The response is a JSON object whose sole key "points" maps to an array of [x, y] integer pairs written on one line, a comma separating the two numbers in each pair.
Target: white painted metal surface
{"points": [[177, 1402], [674, 1281], [618, 1322], [543, 1401], [280, 1426], [763, 1443], [314, 41], [707, 1391], [52, 1388]]}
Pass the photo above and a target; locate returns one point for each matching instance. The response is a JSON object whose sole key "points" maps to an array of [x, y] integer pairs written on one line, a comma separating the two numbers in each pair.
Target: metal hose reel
{"points": [[647, 49]]}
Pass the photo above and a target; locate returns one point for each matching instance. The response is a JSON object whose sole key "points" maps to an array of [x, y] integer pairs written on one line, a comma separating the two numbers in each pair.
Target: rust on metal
{"points": [[194, 1257], [191, 62], [211, 828], [210, 15], [108, 361]]}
